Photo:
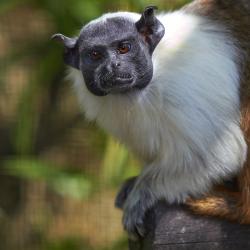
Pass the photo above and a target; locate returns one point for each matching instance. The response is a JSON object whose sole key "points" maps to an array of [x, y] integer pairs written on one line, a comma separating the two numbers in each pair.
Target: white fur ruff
{"points": [[185, 124]]}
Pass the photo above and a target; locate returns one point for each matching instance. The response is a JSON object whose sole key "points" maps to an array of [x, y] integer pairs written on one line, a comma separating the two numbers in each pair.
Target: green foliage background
{"points": [[50, 157]]}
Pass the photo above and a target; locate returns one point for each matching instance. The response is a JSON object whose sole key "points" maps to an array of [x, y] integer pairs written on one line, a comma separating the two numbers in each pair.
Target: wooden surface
{"points": [[174, 227]]}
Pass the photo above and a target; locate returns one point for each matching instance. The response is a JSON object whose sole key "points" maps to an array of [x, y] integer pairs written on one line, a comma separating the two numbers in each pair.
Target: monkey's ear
{"points": [[150, 27], [71, 54]]}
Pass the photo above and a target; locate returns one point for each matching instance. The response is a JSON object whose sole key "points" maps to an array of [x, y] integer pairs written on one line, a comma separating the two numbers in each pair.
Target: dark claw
{"points": [[124, 191], [135, 203], [133, 222]]}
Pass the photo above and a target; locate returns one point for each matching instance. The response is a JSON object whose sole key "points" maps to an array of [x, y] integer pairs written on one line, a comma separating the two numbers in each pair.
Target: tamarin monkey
{"points": [[175, 88]]}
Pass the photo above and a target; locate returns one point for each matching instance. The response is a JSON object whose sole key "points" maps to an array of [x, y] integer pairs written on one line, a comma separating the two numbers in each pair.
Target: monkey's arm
{"points": [[220, 202], [136, 197]]}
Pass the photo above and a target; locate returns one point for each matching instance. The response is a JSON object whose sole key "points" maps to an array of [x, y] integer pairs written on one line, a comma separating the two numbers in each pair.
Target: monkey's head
{"points": [[114, 52]]}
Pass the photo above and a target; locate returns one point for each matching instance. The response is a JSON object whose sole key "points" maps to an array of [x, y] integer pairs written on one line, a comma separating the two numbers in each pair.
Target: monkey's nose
{"points": [[116, 64]]}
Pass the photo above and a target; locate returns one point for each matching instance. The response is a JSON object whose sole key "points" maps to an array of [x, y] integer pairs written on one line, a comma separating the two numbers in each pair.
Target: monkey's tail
{"points": [[225, 205]]}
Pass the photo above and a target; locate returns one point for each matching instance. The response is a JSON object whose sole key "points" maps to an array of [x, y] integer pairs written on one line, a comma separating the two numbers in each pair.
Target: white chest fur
{"points": [[186, 122]]}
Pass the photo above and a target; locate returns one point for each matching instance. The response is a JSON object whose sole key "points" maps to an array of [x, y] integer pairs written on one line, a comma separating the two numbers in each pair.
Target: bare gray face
{"points": [[115, 56]]}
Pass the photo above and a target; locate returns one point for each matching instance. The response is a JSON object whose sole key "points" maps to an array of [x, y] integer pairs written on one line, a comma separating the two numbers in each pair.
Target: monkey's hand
{"points": [[140, 196], [139, 201], [123, 193]]}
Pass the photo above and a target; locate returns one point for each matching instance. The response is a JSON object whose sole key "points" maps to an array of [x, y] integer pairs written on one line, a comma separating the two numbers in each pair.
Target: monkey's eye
{"points": [[124, 48], [95, 55]]}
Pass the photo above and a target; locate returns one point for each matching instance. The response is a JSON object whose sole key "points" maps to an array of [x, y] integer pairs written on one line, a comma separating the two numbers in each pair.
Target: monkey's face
{"points": [[114, 53], [114, 58]]}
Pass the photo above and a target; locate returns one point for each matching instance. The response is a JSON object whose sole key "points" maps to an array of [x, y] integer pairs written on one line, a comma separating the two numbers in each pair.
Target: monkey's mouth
{"points": [[119, 82]]}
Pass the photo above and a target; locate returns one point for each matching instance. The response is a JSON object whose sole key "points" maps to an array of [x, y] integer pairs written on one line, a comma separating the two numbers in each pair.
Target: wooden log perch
{"points": [[175, 228]]}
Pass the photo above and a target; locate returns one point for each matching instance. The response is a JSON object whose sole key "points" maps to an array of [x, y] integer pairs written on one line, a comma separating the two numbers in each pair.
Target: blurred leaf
{"points": [[86, 11], [74, 185], [25, 126], [6, 5], [117, 163], [120, 244], [66, 244]]}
